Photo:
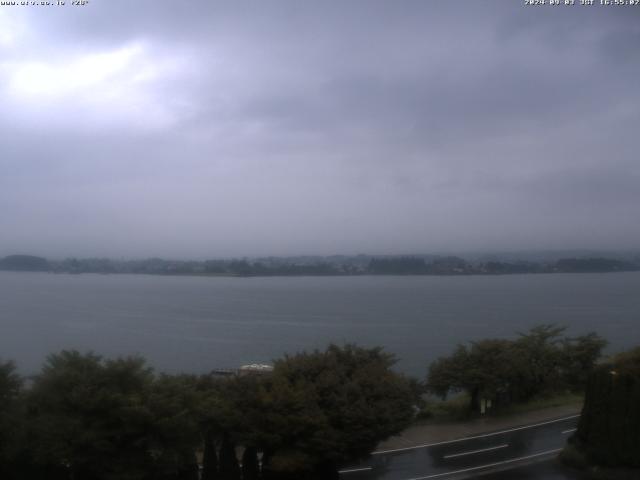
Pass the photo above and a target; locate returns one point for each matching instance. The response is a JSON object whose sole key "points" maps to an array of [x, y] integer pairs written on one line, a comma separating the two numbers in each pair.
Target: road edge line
{"points": [[489, 465], [485, 435]]}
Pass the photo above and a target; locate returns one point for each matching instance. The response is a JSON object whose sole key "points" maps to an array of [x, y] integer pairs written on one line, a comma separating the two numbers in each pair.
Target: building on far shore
{"points": [[255, 369], [244, 370]]}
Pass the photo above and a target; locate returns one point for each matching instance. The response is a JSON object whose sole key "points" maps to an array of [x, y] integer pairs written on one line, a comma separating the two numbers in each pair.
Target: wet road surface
{"points": [[511, 448]]}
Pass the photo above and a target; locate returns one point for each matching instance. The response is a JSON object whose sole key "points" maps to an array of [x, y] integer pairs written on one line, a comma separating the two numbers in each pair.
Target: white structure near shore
{"points": [[244, 370]]}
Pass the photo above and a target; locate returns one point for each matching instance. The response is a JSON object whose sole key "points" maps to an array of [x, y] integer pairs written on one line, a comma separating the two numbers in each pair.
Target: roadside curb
{"points": [[424, 434]]}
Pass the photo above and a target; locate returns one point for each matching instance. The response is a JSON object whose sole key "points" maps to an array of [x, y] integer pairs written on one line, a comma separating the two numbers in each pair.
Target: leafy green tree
{"points": [[175, 431], [10, 384], [485, 370], [579, 357], [505, 371], [608, 432], [89, 416], [11, 435], [540, 359], [449, 374], [223, 418], [327, 407]]}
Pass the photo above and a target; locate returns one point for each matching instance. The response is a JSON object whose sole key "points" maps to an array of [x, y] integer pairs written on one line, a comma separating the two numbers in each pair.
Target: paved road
{"points": [[466, 456], [549, 470]]}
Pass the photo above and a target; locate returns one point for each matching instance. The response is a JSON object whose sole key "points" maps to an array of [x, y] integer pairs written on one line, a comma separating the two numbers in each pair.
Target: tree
{"points": [[579, 357], [485, 370], [11, 434], [175, 432], [10, 384], [505, 371], [539, 358], [89, 416], [324, 408], [227, 410], [608, 432]]}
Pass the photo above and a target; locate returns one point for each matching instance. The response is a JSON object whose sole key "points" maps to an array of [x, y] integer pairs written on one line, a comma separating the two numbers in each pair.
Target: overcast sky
{"points": [[201, 128]]}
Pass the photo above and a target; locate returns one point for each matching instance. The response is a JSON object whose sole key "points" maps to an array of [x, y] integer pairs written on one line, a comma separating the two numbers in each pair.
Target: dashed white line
{"points": [[564, 432], [476, 451], [404, 449], [353, 470], [489, 465]]}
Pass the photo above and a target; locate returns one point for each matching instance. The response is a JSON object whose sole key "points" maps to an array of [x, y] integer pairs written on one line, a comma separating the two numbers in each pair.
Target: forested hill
{"points": [[321, 266], [26, 263]]}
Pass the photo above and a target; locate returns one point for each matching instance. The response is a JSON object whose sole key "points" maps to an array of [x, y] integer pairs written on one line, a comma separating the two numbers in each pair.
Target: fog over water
{"points": [[194, 324], [207, 129]]}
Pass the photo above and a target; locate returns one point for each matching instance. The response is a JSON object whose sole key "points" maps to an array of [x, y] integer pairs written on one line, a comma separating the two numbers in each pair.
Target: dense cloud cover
{"points": [[207, 129]]}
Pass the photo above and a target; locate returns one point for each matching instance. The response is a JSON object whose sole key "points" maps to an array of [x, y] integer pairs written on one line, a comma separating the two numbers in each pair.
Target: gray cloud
{"points": [[211, 129]]}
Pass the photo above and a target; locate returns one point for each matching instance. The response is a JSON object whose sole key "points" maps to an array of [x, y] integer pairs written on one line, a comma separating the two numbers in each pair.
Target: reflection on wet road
{"points": [[479, 453]]}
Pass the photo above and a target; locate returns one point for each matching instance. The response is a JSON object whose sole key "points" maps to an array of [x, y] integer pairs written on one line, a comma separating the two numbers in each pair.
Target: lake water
{"points": [[194, 324]]}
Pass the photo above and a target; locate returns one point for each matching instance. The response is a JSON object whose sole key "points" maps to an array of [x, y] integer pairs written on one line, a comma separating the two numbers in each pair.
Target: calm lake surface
{"points": [[194, 324]]}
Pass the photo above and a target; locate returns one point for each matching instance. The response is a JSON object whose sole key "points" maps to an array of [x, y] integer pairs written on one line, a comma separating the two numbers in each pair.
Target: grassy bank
{"points": [[457, 409]]}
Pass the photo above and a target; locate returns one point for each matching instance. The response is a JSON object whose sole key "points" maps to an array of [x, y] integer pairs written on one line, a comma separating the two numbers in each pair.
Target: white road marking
{"points": [[489, 465], [381, 452], [352, 470], [476, 451], [564, 432]]}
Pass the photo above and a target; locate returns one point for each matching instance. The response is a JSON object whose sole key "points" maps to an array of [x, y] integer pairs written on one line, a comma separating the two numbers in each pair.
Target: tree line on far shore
{"points": [[318, 266], [85, 417]]}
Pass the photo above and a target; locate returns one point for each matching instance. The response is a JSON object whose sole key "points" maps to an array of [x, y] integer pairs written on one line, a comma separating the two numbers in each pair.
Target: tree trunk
{"points": [[475, 400], [189, 471], [210, 458], [229, 468], [326, 471], [265, 470], [250, 470]]}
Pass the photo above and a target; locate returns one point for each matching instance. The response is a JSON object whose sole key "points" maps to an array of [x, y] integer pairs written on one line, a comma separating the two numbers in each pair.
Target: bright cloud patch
{"points": [[64, 78], [10, 30], [114, 86]]}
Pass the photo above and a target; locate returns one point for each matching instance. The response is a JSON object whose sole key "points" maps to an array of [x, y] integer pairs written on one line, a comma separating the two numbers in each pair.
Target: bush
{"points": [[573, 457], [609, 428]]}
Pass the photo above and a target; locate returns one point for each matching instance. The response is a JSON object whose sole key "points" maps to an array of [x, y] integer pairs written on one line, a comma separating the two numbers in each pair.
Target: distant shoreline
{"points": [[336, 266], [234, 275]]}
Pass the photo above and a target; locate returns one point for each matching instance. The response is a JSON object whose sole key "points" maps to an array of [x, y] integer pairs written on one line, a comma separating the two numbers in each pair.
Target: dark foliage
{"points": [[332, 406], [505, 371], [609, 428], [89, 418]]}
